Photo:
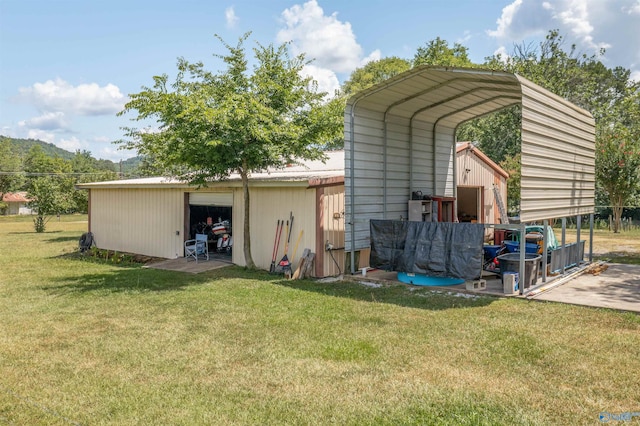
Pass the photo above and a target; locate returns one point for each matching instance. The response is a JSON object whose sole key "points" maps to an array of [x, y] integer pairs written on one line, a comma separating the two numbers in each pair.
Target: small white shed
{"points": [[478, 179]]}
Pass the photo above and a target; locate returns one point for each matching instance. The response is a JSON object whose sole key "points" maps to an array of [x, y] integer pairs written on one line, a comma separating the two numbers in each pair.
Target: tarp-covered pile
{"points": [[439, 249]]}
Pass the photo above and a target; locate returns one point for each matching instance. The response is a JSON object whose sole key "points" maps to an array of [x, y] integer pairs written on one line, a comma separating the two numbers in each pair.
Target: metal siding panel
{"points": [[142, 221], [267, 206], [558, 157]]}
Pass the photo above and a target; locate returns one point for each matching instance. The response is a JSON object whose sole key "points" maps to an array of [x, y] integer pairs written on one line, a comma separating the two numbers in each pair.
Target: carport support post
{"points": [[545, 241], [578, 225], [521, 268], [591, 238], [564, 240]]}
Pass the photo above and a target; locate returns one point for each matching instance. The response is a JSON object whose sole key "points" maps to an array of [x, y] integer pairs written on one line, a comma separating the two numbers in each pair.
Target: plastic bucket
{"points": [[510, 262], [490, 251]]}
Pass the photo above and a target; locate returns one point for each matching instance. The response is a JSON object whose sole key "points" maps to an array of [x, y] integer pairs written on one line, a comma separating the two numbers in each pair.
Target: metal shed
{"points": [[151, 216], [400, 137]]}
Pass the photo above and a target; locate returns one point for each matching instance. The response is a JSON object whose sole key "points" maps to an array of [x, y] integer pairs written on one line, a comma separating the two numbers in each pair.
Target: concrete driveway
{"points": [[618, 288]]}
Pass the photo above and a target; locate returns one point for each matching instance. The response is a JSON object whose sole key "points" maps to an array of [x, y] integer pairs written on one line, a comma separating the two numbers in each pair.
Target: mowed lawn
{"points": [[87, 342]]}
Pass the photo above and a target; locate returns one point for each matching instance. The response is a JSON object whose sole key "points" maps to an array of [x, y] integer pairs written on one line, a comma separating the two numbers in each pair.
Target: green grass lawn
{"points": [[95, 343]]}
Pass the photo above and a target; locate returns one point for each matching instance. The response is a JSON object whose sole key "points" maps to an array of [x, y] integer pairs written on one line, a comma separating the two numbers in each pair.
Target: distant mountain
{"points": [[130, 165], [22, 147]]}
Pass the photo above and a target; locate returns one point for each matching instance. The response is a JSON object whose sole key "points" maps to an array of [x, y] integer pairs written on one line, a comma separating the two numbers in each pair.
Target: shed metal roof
{"points": [[308, 173]]}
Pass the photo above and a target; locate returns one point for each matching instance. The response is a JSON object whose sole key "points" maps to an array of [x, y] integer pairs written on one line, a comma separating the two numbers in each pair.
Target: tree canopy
{"points": [[374, 72], [438, 52], [235, 121]]}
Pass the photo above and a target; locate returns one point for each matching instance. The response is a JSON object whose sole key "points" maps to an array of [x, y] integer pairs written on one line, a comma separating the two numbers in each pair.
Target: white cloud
{"points": [[72, 144], [40, 135], [324, 38], [502, 52], [47, 121], [465, 38], [373, 56], [589, 24], [326, 79], [109, 152], [505, 21], [230, 16], [633, 9], [84, 99]]}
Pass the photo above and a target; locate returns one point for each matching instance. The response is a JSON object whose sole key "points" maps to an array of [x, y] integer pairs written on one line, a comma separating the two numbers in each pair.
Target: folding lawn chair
{"points": [[196, 248]]}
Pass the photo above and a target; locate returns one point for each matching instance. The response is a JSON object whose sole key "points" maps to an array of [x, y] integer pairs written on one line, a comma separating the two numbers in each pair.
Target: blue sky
{"points": [[67, 66]]}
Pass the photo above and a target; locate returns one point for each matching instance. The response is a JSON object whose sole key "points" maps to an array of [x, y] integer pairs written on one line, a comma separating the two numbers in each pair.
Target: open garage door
{"points": [[211, 199], [206, 209]]}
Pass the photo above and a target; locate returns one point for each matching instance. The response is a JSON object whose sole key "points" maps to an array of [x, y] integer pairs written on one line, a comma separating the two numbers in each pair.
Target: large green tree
{"points": [[618, 168], [50, 185], [237, 120], [374, 72], [10, 166], [85, 168], [438, 52]]}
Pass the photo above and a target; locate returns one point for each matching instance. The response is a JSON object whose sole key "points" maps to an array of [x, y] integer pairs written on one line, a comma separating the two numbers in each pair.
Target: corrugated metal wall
{"points": [[142, 221], [558, 156], [267, 206], [331, 224], [388, 169]]}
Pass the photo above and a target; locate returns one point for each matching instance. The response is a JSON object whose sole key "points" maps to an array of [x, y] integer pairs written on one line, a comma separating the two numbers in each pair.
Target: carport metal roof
{"points": [[400, 135]]}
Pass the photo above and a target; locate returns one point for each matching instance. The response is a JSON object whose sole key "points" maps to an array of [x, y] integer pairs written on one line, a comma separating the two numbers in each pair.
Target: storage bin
{"points": [[510, 262], [514, 247]]}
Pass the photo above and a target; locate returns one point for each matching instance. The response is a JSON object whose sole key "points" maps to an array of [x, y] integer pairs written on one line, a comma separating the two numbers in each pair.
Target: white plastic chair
{"points": [[199, 247]]}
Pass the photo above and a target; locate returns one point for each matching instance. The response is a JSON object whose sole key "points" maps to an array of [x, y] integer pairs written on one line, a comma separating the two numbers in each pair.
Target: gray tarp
{"points": [[439, 249]]}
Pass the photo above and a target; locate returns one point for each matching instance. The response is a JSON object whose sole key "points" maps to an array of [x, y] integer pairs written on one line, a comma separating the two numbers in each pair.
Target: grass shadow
{"points": [[34, 233], [396, 294], [124, 279], [136, 279], [62, 239]]}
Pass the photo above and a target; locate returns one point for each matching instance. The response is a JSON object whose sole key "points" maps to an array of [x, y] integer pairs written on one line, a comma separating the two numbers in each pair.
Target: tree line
{"points": [[48, 178]]}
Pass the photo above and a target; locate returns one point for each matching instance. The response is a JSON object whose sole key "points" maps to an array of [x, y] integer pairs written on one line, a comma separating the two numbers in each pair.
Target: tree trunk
{"points": [[617, 215], [248, 259]]}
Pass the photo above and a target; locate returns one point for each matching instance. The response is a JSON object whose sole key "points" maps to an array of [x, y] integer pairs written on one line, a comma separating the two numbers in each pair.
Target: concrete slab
{"points": [[618, 288], [182, 264]]}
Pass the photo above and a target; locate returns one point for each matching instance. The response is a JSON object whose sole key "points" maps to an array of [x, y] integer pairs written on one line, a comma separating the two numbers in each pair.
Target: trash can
{"points": [[510, 262]]}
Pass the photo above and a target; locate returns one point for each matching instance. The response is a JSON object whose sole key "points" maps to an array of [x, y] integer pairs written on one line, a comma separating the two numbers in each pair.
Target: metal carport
{"points": [[400, 137]]}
